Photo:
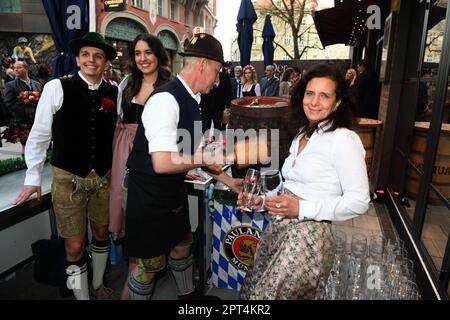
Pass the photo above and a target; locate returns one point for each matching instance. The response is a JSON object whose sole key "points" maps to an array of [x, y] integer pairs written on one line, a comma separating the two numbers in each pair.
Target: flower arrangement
{"points": [[23, 119], [28, 99], [107, 105]]}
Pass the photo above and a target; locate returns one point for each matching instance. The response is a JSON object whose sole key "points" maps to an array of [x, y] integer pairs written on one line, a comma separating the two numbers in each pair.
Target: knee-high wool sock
{"points": [[78, 278], [100, 252]]}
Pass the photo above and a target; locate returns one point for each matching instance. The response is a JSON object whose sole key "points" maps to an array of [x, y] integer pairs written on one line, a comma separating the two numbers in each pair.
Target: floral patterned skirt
{"points": [[292, 261]]}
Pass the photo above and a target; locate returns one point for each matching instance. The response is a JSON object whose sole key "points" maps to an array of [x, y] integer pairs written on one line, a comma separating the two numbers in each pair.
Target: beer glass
{"points": [[250, 189], [272, 185]]}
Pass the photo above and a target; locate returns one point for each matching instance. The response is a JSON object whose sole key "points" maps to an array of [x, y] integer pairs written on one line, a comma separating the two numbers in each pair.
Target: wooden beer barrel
{"points": [[269, 113], [441, 170], [366, 131]]}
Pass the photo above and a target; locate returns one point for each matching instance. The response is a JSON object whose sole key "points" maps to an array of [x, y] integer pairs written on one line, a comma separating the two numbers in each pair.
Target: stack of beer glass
{"points": [[373, 269]]}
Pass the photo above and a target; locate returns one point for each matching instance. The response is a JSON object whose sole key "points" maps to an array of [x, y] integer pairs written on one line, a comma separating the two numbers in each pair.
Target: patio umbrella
{"points": [[268, 35], [245, 19], [66, 25]]}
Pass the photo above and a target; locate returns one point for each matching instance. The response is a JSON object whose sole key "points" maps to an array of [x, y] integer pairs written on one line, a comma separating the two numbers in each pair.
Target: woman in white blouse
{"points": [[325, 180]]}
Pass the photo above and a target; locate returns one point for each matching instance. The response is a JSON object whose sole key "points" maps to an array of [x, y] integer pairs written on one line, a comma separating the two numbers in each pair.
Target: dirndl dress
{"points": [[292, 261], [122, 145]]}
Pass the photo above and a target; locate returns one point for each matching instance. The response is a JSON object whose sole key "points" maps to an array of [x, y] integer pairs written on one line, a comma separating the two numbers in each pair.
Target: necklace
{"points": [[306, 137]]}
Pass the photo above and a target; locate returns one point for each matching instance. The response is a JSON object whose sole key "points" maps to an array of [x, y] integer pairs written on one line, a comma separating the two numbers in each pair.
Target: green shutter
{"points": [[168, 40], [12, 6], [123, 29]]}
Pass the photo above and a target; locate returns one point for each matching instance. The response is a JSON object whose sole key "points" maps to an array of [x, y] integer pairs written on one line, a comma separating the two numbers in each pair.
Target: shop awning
{"points": [[345, 23]]}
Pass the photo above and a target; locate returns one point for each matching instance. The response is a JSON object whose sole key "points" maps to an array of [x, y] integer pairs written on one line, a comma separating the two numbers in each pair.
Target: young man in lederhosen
{"points": [[79, 115]]}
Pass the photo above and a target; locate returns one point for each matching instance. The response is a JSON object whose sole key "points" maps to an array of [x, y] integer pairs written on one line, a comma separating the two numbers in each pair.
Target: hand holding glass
{"points": [[272, 185], [250, 189]]}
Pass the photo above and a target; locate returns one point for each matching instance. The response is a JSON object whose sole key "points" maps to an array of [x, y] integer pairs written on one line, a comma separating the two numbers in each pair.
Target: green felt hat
{"points": [[93, 39]]}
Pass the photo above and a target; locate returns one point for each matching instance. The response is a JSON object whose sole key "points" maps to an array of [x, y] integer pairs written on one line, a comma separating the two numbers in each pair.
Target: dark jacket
{"points": [[14, 88], [270, 88], [5, 115], [367, 88], [236, 87], [214, 102]]}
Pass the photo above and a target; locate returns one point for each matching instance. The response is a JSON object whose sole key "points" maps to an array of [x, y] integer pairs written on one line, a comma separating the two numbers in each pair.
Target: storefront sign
{"points": [[114, 5]]}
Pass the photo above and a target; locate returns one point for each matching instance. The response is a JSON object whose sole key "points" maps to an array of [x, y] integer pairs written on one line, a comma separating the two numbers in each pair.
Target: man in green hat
{"points": [[79, 115]]}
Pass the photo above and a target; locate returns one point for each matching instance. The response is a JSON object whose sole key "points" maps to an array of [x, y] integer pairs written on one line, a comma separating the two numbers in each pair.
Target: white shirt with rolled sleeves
{"points": [[160, 119], [41, 133], [330, 174]]}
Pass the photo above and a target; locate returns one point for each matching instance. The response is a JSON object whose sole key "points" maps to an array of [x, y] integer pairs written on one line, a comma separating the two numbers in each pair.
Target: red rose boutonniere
{"points": [[107, 104]]}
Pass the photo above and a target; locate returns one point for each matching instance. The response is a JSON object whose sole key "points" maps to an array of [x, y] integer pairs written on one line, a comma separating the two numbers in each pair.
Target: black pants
{"points": [[216, 119]]}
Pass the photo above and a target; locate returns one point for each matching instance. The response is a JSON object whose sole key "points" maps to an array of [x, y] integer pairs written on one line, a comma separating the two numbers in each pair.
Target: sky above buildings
{"points": [[227, 11]]}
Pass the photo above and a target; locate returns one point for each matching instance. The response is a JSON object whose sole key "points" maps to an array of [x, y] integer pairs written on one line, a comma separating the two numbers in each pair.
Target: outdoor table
{"points": [[200, 223], [235, 237]]}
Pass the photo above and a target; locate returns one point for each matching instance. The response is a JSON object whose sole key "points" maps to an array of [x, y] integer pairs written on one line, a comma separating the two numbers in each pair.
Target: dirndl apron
{"points": [[292, 261], [122, 145], [157, 215]]}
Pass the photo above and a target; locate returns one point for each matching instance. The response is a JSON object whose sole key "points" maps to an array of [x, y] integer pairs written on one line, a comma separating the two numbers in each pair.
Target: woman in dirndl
{"points": [[149, 68], [325, 180]]}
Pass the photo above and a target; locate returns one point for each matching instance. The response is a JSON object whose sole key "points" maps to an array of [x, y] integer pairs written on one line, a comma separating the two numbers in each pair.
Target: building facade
{"points": [[172, 21], [283, 36]]}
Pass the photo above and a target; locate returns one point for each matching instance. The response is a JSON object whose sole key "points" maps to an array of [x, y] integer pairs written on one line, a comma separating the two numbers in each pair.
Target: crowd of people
{"points": [[117, 162]]}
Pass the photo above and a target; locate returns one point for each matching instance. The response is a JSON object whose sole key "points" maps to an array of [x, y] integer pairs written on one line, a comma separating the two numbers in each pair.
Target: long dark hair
{"points": [[136, 75], [342, 117], [286, 74]]}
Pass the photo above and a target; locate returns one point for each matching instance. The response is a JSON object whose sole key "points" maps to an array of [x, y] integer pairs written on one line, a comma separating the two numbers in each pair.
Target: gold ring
{"points": [[278, 205]]}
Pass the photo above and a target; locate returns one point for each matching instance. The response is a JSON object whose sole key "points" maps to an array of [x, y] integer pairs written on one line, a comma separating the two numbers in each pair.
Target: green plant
{"points": [[11, 165], [15, 164]]}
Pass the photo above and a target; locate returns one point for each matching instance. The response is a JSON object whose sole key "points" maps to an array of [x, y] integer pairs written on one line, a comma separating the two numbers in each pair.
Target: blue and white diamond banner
{"points": [[235, 237]]}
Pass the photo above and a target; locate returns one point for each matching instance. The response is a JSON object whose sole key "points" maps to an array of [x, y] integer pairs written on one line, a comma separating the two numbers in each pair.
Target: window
{"points": [[138, 3], [173, 10], [143, 4], [12, 6], [419, 170], [162, 8], [287, 39], [202, 20], [186, 16]]}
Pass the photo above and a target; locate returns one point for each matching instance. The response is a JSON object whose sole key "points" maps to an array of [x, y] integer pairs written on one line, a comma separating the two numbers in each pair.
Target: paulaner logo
{"points": [[240, 244]]}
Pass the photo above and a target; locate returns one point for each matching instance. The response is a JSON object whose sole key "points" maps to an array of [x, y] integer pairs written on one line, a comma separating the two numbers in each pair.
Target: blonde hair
{"points": [[254, 77]]}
